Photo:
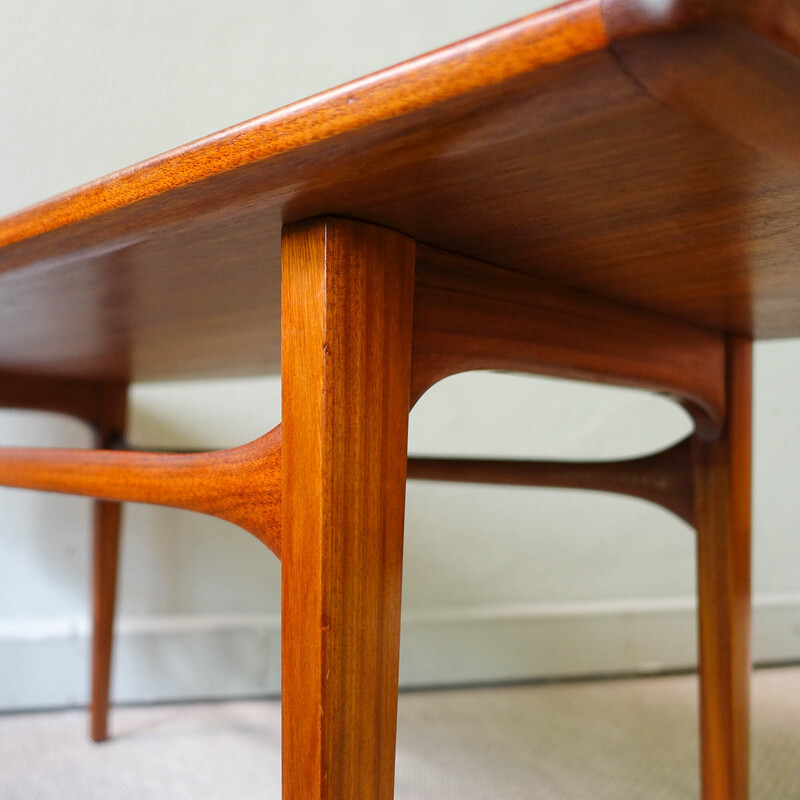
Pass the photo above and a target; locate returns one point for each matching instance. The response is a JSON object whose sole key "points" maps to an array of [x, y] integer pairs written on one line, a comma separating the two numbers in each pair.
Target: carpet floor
{"points": [[620, 739]]}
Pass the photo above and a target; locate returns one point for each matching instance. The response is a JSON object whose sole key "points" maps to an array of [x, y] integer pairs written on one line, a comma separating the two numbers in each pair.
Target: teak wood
{"points": [[448, 314], [241, 485], [95, 403], [472, 315], [663, 478], [607, 190], [467, 315], [348, 291], [659, 169], [106, 535], [722, 513]]}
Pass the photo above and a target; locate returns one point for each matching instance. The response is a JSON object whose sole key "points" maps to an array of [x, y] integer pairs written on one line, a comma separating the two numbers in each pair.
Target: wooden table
{"points": [[608, 190]]}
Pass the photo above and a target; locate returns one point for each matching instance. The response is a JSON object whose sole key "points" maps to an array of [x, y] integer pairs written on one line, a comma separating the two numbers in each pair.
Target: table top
{"points": [[642, 150]]}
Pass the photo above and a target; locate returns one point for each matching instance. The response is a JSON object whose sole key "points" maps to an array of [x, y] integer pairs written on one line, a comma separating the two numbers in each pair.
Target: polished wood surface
{"points": [[471, 315], [363, 336], [107, 517], [661, 170], [663, 478], [466, 315], [347, 335], [241, 485], [112, 415], [722, 478]]}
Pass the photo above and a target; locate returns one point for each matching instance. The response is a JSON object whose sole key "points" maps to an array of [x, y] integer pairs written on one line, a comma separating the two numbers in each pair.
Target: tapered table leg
{"points": [[105, 564], [722, 474], [104, 589], [346, 356]]}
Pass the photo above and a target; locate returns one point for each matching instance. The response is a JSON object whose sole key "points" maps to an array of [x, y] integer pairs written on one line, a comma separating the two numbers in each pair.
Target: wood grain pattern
{"points": [[105, 563], [241, 485], [355, 355], [700, 74], [517, 48], [347, 322], [471, 315], [171, 268], [467, 315], [542, 146], [722, 476], [84, 400], [663, 478]]}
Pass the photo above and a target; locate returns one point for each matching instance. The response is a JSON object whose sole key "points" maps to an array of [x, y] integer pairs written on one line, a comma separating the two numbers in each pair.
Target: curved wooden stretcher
{"points": [[608, 190]]}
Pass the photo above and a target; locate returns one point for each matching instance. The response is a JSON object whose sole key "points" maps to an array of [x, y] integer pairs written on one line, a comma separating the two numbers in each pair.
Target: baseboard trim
{"points": [[217, 656]]}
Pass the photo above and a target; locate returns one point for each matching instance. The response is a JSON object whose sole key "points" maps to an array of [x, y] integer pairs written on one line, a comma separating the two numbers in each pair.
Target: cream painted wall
{"points": [[499, 583]]}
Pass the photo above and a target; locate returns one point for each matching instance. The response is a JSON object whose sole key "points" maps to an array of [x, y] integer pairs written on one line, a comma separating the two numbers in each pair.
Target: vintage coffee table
{"points": [[607, 191]]}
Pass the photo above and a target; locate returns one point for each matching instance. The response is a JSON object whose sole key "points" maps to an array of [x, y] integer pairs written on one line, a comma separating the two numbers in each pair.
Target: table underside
{"points": [[662, 171]]}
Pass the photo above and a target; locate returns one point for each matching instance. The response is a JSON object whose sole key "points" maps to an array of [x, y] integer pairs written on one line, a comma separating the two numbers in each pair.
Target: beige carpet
{"points": [[623, 739]]}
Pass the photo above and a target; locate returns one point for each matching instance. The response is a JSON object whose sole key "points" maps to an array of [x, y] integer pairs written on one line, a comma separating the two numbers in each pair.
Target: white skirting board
{"points": [[45, 663]]}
